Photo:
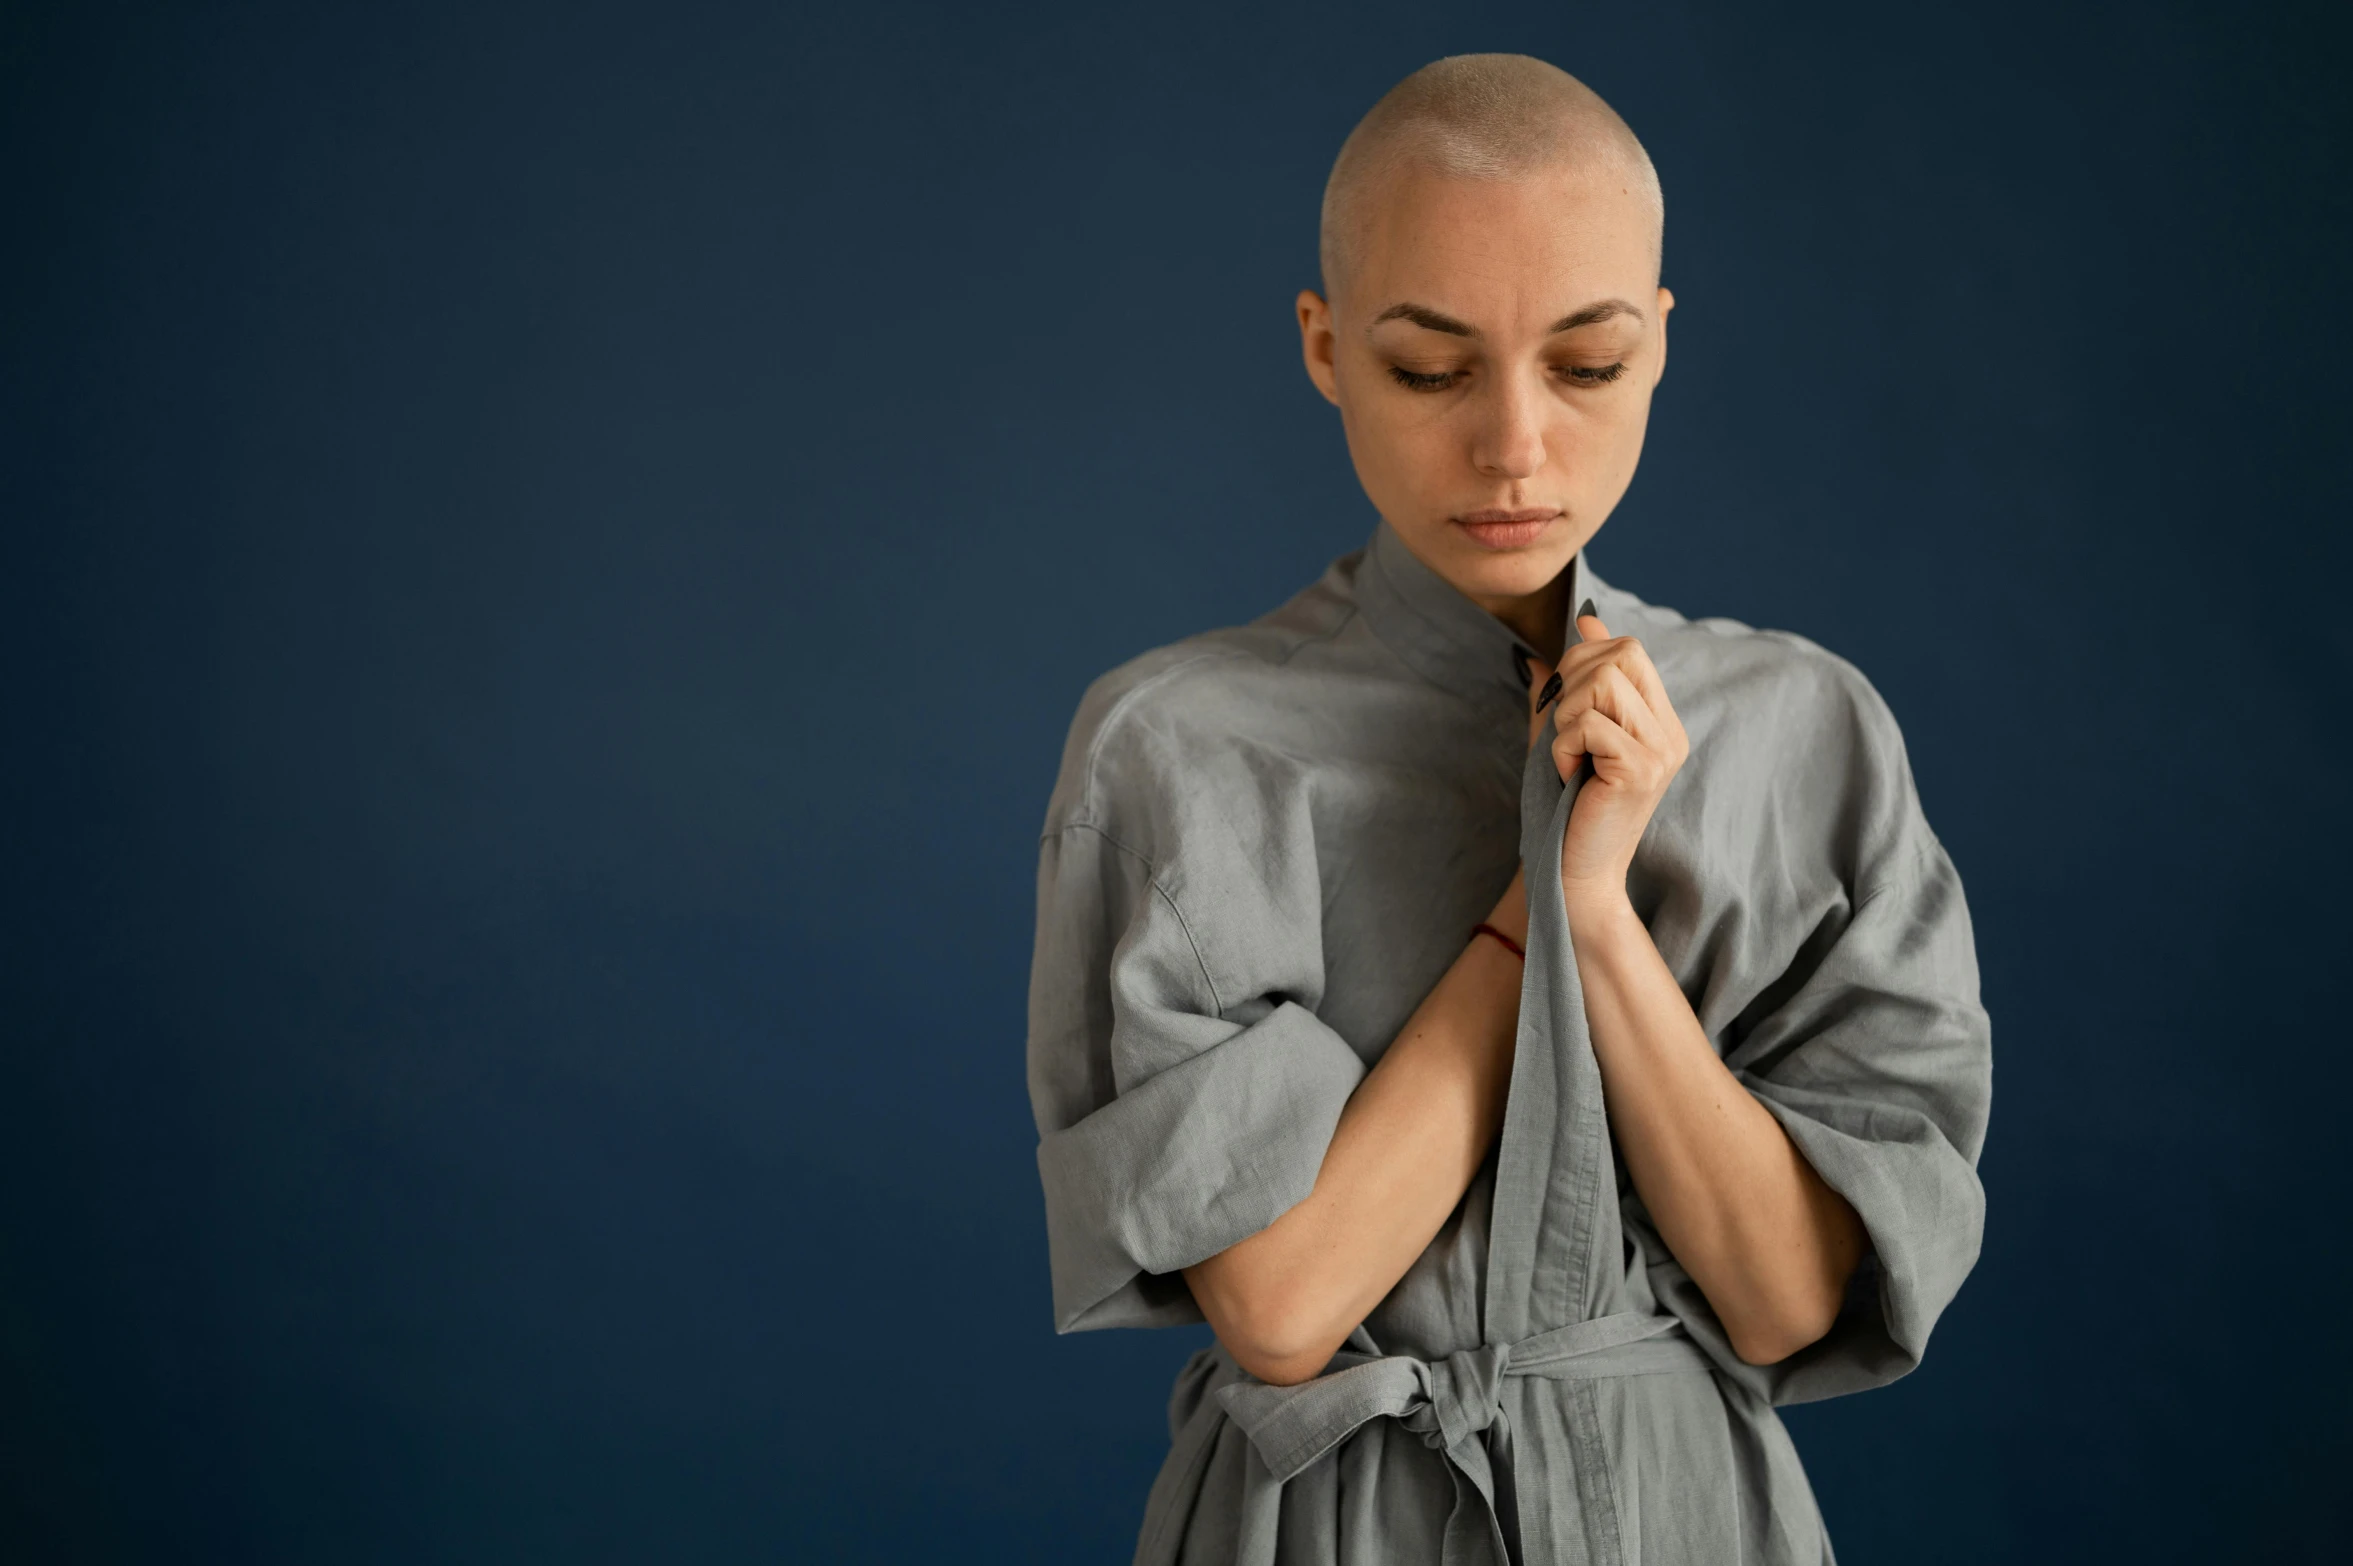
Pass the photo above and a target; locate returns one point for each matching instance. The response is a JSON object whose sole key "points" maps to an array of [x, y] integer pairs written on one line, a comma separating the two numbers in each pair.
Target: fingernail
{"points": [[1584, 608], [1524, 665], [1551, 689]]}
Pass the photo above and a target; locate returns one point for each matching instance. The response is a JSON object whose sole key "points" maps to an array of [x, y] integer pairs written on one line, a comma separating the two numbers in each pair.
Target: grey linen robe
{"points": [[1264, 847]]}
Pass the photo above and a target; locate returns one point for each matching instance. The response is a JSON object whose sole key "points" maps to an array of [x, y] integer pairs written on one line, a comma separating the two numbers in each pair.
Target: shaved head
{"points": [[1479, 116]]}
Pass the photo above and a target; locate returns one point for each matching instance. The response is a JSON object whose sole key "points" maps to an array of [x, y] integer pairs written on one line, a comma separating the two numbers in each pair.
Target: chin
{"points": [[1490, 573]]}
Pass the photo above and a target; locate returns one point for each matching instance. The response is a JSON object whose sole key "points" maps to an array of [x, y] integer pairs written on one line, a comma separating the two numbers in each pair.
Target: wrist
{"points": [[1599, 911], [1510, 914]]}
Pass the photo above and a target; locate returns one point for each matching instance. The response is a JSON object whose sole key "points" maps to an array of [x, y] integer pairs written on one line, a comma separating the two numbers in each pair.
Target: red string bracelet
{"points": [[1510, 945]]}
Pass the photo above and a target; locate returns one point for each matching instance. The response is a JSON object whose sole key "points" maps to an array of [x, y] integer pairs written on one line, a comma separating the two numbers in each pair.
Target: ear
{"points": [[1316, 344], [1658, 368]]}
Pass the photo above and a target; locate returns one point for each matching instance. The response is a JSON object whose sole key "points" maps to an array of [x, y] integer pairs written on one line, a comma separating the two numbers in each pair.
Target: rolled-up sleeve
{"points": [[1174, 1120], [1846, 1001], [1879, 1067]]}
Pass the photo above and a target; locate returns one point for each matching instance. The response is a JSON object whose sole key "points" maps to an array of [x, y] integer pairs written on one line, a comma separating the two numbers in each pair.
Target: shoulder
{"points": [[1171, 728], [1758, 688], [1785, 724], [1777, 679]]}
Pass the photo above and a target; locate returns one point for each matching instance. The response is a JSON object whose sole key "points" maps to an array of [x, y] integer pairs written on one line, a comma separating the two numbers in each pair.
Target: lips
{"points": [[1499, 529]]}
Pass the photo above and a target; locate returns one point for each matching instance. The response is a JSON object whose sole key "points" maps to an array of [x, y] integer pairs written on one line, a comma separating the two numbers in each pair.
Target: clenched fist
{"points": [[1614, 711]]}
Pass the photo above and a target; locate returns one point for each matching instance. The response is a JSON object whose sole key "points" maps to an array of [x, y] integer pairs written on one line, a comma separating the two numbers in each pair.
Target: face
{"points": [[1492, 356]]}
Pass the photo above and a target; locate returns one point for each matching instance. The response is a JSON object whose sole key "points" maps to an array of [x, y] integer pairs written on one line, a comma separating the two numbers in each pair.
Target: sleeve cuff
{"points": [[1187, 1163]]}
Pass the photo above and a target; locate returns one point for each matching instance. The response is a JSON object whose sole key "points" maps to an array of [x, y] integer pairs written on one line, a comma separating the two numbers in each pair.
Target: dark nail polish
{"points": [[1524, 665], [1551, 689], [1584, 608]]}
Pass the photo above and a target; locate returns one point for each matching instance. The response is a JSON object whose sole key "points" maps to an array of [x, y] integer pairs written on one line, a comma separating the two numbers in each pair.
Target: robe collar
{"points": [[1444, 636]]}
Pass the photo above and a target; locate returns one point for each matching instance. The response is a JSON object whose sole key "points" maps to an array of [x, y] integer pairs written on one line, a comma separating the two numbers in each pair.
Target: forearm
{"points": [[1765, 1239], [1407, 1146]]}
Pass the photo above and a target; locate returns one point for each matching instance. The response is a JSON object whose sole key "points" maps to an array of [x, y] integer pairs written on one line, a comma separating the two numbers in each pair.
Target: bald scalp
{"points": [[1478, 116]]}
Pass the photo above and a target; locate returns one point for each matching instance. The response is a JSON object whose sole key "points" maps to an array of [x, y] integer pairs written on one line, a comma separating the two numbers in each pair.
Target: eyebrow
{"points": [[1434, 321], [1602, 311]]}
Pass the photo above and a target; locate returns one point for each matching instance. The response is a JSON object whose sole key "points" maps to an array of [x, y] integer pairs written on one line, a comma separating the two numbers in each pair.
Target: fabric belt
{"points": [[1455, 1405]]}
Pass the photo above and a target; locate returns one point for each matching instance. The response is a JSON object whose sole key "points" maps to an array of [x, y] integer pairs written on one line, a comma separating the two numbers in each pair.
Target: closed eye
{"points": [[1414, 381]]}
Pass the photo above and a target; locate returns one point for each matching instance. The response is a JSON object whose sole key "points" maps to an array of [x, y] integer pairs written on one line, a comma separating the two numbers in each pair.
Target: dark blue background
{"points": [[549, 554]]}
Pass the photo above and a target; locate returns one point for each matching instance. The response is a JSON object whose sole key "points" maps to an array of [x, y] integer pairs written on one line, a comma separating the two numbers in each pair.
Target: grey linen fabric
{"points": [[1265, 845]]}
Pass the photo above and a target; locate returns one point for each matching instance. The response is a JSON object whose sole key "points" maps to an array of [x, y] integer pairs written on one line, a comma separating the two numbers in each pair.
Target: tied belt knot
{"points": [[1454, 1404], [1462, 1398]]}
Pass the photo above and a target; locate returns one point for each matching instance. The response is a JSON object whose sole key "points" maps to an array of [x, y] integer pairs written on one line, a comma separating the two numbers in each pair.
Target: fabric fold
{"points": [[1190, 1161], [1453, 1404], [1451, 1400]]}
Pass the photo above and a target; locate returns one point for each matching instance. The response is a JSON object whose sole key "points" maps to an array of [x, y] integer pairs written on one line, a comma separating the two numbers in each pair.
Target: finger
{"points": [[1540, 695], [1552, 686], [1543, 685], [1630, 655], [1568, 745], [1618, 757], [1612, 691], [1592, 642], [1590, 631], [1627, 653]]}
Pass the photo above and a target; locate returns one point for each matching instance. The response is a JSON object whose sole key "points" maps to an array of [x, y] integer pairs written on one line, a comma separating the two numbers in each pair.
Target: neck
{"points": [[1540, 619]]}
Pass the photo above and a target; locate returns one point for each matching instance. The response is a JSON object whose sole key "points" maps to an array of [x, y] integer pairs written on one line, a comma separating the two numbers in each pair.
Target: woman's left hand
{"points": [[1613, 709]]}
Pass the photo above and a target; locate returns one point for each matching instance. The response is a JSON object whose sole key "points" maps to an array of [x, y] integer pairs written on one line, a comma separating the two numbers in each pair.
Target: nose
{"points": [[1509, 440]]}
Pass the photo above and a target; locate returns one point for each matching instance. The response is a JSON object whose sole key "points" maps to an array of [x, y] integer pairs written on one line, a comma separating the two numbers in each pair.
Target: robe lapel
{"points": [[1553, 1235]]}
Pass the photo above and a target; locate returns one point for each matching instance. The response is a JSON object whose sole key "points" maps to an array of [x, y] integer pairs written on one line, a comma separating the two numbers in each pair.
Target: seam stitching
{"points": [[1152, 877]]}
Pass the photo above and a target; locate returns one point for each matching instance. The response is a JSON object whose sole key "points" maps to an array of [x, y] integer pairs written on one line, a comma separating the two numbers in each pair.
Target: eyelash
{"points": [[1580, 376]]}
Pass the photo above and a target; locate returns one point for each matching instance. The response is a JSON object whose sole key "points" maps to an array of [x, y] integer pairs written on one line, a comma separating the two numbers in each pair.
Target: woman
{"points": [[1537, 1043]]}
